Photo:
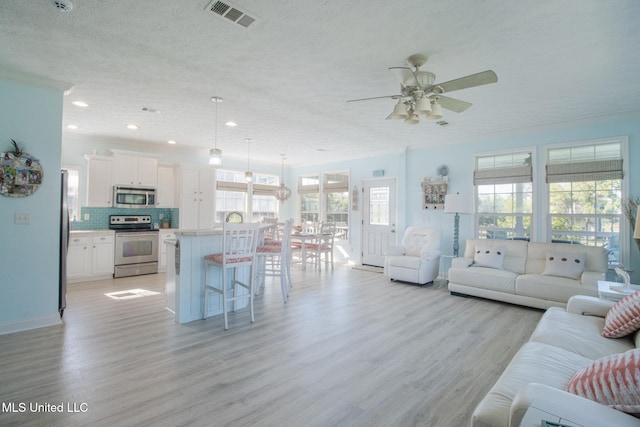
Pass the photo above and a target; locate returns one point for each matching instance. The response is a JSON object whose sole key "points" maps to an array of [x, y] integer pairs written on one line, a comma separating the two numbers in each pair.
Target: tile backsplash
{"points": [[99, 217]]}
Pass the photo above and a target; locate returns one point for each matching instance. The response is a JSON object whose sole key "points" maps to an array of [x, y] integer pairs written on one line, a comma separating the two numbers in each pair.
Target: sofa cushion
{"points": [[484, 277], [534, 363], [611, 380], [578, 334], [412, 262], [564, 264], [623, 318], [515, 256], [551, 288], [596, 257], [489, 256]]}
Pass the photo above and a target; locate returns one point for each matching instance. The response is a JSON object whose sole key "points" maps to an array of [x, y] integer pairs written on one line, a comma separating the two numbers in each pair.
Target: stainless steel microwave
{"points": [[134, 197]]}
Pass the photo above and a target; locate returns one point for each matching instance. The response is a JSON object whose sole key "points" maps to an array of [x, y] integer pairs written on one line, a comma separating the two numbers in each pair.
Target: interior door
{"points": [[378, 219]]}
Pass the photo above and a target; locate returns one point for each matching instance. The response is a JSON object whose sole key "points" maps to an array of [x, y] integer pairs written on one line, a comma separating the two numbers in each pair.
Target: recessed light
{"points": [[72, 127], [80, 104], [231, 124], [171, 141], [132, 127]]}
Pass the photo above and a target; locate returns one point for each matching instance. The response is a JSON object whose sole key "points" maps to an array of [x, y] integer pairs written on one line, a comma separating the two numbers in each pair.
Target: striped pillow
{"points": [[623, 318], [611, 380]]}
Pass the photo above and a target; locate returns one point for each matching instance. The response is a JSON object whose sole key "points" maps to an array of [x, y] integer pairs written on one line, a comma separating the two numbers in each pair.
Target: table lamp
{"points": [[456, 204]]}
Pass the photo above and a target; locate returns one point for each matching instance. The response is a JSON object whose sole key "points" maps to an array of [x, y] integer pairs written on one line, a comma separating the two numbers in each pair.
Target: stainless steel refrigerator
{"points": [[64, 242]]}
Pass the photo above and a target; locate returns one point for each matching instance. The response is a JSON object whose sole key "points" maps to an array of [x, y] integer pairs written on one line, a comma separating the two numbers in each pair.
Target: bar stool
{"points": [[274, 259], [239, 242]]}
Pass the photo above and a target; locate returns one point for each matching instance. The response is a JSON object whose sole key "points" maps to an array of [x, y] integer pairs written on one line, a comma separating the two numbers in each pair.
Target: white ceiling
{"points": [[286, 79]]}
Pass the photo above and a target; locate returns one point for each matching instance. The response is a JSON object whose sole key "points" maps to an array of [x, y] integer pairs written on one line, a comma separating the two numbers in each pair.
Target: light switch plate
{"points": [[22, 218]]}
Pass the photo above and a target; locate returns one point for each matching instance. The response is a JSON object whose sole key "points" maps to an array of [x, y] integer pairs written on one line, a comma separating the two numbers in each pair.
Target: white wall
{"points": [[29, 254]]}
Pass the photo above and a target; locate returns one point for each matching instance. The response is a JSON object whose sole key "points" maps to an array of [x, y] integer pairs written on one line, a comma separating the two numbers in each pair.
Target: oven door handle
{"points": [[136, 233]]}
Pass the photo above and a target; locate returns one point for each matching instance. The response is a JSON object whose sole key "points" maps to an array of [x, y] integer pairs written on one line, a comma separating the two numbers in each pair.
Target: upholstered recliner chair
{"points": [[418, 259]]}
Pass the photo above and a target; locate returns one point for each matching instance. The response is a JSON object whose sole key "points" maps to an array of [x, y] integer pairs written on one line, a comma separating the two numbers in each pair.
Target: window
{"points": [[504, 195], [231, 194], [263, 203], [73, 191], [309, 197], [585, 193], [232, 191], [336, 190]]}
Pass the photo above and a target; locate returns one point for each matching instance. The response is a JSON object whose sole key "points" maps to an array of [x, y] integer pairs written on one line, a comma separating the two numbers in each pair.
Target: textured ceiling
{"points": [[286, 79]]}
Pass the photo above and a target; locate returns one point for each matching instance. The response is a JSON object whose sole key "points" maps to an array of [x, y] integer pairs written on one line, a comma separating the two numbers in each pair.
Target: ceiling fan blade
{"points": [[405, 75], [454, 105], [375, 97], [478, 79]]}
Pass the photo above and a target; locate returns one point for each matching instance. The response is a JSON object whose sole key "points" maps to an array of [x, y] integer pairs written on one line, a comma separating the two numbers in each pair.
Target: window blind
{"points": [[231, 186], [503, 175], [264, 189], [593, 170]]}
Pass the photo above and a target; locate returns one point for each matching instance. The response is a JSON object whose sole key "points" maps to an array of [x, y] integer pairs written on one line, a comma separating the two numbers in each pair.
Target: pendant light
{"points": [[248, 175], [215, 154], [283, 192]]}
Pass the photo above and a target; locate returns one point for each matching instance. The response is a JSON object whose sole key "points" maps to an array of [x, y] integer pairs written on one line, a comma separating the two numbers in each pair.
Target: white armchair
{"points": [[418, 259]]}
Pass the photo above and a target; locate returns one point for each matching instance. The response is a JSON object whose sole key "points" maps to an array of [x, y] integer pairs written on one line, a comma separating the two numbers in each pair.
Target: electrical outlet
{"points": [[160, 216], [22, 218], [86, 217], [426, 218]]}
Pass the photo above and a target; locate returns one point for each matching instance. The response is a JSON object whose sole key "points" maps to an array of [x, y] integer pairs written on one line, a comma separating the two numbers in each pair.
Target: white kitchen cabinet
{"points": [[164, 236], [90, 255], [99, 181], [136, 170], [102, 256], [166, 188], [79, 257], [196, 197]]}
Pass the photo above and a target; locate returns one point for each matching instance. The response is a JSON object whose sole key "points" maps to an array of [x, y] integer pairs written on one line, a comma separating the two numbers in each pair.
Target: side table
{"points": [[605, 291], [443, 272]]}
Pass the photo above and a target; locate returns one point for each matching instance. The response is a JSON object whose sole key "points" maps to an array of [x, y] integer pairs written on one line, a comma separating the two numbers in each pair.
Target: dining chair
{"points": [[322, 245], [274, 260], [239, 243]]}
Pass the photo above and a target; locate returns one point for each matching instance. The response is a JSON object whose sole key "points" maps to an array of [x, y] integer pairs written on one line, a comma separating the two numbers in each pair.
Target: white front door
{"points": [[378, 219]]}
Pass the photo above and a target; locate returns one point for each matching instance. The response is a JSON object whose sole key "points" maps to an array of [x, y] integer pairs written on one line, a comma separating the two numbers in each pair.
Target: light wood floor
{"points": [[349, 349]]}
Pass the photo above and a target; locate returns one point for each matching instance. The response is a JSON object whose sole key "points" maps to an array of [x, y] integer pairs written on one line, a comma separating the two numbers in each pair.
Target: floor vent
{"points": [[233, 13]]}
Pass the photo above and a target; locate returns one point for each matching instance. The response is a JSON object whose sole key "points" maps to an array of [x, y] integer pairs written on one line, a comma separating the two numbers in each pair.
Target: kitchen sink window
{"points": [[73, 191], [232, 195]]}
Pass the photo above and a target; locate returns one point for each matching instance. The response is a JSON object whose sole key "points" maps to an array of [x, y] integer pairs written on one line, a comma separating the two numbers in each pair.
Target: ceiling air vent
{"points": [[231, 12]]}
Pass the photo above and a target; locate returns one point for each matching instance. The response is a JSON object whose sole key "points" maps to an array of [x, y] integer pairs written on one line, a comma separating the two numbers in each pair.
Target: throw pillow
{"points": [[564, 264], [489, 256], [611, 380], [623, 318]]}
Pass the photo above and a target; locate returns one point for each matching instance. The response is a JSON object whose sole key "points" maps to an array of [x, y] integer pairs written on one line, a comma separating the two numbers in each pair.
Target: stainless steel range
{"points": [[136, 247]]}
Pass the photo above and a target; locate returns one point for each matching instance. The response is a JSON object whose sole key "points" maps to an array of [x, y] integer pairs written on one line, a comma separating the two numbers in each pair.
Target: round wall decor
{"points": [[20, 173]]}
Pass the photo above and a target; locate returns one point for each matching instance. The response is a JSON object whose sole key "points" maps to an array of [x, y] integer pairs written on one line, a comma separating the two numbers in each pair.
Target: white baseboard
{"points": [[25, 325]]}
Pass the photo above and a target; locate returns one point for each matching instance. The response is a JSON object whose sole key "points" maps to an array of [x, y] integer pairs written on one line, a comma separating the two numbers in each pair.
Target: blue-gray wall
{"points": [[29, 254]]}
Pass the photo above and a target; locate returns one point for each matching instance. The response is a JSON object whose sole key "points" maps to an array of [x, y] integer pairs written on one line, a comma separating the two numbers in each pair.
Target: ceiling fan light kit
{"points": [[419, 94], [400, 111]]}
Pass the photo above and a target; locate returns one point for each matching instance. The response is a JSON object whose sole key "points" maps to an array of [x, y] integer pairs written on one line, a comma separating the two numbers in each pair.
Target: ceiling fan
{"points": [[420, 95]]}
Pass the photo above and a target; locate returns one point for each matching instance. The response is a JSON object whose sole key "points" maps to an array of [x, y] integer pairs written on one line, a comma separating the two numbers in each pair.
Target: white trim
{"points": [[625, 240], [535, 215], [27, 324]]}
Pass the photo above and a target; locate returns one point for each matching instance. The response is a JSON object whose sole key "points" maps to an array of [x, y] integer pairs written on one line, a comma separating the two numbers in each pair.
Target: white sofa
{"points": [[418, 259], [521, 281], [563, 342]]}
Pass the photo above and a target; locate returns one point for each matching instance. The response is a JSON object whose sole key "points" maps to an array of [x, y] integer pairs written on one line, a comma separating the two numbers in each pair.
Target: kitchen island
{"points": [[185, 273]]}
